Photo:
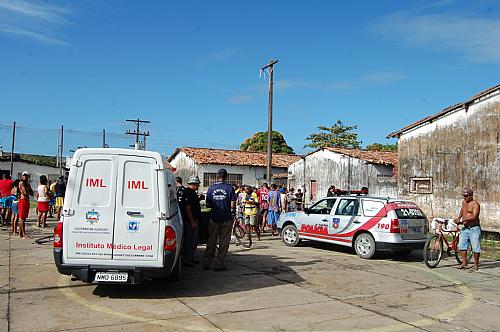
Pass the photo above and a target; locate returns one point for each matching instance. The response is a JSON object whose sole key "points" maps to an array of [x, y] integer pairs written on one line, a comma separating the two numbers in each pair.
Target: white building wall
{"points": [[35, 170], [344, 172]]}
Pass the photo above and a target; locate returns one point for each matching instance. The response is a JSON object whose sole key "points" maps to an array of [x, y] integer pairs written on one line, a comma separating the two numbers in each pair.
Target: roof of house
{"points": [[447, 110], [235, 157], [372, 157]]}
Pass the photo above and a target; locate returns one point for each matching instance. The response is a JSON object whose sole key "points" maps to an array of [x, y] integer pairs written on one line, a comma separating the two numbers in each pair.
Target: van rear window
{"points": [[95, 189], [410, 213]]}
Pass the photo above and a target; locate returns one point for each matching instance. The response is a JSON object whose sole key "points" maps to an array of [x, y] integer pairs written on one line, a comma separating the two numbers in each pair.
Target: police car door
{"points": [[315, 221], [345, 216], [137, 226]]}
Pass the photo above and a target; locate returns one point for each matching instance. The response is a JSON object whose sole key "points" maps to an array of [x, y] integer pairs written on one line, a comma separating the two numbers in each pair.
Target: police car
{"points": [[368, 224]]}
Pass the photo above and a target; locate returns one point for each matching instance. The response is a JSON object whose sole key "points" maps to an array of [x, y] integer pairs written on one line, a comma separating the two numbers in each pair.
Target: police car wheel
{"points": [[290, 235], [364, 246]]}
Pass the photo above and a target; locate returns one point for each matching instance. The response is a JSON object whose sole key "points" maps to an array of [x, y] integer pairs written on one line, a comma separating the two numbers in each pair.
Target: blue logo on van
{"points": [[133, 226], [92, 217]]}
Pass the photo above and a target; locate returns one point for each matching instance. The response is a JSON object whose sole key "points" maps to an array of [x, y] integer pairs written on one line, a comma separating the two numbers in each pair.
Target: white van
{"points": [[120, 221]]}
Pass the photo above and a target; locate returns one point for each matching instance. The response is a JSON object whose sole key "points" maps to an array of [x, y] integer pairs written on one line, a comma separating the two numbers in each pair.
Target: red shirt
{"points": [[5, 187], [262, 195]]}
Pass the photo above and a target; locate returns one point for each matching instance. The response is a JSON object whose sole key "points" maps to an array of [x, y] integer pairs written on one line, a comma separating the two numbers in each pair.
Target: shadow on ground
{"points": [[245, 272]]}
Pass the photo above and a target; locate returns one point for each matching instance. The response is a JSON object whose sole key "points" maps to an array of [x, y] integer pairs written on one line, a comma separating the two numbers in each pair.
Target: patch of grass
{"points": [[490, 249]]}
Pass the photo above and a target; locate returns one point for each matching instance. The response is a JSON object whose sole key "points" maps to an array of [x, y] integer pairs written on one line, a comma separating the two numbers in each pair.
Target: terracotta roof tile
{"points": [[235, 157], [373, 157]]}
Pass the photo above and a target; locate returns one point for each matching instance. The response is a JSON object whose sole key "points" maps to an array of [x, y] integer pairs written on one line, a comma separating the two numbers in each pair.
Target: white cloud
{"points": [[476, 38], [33, 20], [364, 81]]}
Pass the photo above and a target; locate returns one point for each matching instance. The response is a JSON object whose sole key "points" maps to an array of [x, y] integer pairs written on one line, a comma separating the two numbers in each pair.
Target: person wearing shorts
{"points": [[263, 205], [23, 206], [471, 232], [274, 210], [15, 210], [60, 192], [43, 198], [251, 203]]}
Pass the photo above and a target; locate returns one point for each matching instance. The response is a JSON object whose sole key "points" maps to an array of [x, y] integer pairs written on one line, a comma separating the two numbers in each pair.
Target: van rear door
{"points": [[89, 216], [137, 222]]}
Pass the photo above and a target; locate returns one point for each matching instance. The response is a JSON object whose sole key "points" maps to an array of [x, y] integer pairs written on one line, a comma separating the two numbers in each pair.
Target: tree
{"points": [[338, 135], [382, 147], [258, 142]]}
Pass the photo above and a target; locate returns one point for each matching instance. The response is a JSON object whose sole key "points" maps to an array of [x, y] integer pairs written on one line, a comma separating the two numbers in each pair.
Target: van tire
{"points": [[290, 235], [176, 274], [364, 245]]}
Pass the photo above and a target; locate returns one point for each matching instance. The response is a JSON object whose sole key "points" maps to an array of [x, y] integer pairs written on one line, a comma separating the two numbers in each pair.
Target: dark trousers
{"points": [[190, 238], [218, 232]]}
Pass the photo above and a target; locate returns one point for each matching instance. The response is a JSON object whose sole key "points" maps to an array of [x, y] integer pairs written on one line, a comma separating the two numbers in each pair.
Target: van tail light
{"points": [[395, 226], [170, 239], [58, 235]]}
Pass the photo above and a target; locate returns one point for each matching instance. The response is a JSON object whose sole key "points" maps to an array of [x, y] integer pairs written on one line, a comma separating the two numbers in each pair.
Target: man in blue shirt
{"points": [[221, 199]]}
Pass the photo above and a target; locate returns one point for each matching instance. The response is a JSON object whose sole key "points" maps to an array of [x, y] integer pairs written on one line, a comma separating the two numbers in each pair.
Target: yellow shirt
{"points": [[250, 209]]}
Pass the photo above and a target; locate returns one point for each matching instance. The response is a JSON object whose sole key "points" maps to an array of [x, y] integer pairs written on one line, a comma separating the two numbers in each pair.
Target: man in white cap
{"points": [[471, 232], [25, 192], [191, 213]]}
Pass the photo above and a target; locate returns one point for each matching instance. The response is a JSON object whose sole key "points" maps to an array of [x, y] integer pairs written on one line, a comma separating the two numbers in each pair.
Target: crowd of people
{"points": [[15, 201], [258, 208]]}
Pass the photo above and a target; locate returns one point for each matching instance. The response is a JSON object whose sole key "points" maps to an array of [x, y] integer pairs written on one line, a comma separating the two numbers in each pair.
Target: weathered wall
{"points": [[460, 149], [344, 172], [187, 167], [36, 170]]}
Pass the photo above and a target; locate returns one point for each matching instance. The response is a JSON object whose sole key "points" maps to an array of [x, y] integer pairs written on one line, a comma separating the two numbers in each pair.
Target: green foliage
{"points": [[258, 142], [338, 136], [382, 147], [39, 160]]}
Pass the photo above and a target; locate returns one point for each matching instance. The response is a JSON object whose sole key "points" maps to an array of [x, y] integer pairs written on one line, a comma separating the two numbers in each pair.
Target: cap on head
{"points": [[194, 180], [467, 192], [222, 173], [26, 173], [61, 177]]}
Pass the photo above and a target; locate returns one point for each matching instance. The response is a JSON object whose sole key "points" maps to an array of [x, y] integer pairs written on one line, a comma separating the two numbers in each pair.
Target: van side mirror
{"points": [[307, 211]]}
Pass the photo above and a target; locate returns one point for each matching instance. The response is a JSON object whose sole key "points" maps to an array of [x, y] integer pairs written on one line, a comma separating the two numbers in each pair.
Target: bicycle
{"points": [[434, 246], [239, 231]]}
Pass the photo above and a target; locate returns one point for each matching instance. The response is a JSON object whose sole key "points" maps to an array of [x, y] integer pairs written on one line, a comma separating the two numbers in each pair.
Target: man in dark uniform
{"points": [[191, 213], [221, 198]]}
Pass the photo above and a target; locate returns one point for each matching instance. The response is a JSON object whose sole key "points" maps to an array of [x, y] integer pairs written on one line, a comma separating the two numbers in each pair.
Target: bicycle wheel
{"points": [[433, 251], [242, 236], [458, 257]]}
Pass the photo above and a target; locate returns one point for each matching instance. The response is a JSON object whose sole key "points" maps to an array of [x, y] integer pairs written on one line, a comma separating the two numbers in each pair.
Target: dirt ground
{"points": [[270, 287]]}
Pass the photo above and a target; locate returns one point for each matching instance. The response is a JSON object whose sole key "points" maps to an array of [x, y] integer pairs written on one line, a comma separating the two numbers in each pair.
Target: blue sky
{"points": [[192, 67]]}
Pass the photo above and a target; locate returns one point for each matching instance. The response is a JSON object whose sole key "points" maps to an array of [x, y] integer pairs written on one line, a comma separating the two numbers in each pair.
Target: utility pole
{"points": [[61, 147], [270, 118], [138, 133], [12, 149], [104, 138]]}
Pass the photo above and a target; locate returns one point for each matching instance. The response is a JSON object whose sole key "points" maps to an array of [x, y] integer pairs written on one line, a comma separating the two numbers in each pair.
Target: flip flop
{"points": [[473, 269], [461, 267]]}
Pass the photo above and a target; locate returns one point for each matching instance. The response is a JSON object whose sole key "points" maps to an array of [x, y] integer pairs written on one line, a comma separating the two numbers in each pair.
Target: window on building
{"points": [[211, 178], [385, 178], [421, 185]]}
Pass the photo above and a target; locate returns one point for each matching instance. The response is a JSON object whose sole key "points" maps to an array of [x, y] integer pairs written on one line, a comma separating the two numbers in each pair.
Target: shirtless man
{"points": [[471, 232]]}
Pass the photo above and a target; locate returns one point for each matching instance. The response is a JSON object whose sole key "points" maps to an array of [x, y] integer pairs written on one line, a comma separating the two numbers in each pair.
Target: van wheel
{"points": [[290, 235], [176, 274], [365, 246]]}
